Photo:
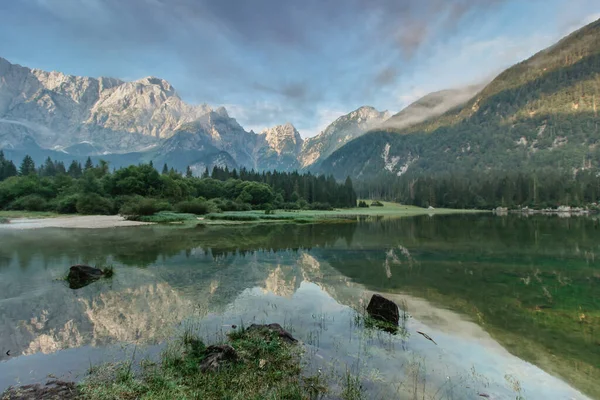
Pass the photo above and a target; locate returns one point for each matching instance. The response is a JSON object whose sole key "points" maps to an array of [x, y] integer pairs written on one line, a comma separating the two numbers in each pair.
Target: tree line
{"points": [[545, 188], [141, 190]]}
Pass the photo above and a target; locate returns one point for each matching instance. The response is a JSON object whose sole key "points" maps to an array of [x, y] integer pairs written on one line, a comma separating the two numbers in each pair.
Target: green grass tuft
{"points": [[267, 368]]}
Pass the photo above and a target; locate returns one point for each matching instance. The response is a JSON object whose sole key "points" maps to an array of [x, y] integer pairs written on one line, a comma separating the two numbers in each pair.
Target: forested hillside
{"points": [[538, 118]]}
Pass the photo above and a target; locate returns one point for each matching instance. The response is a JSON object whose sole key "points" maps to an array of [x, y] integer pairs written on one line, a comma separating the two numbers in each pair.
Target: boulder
{"points": [[384, 310], [82, 275], [282, 333], [216, 356]]}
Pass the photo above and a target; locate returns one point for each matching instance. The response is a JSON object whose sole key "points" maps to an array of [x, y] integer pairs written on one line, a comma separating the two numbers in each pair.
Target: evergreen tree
{"points": [[205, 174], [165, 170], [49, 168], [7, 167], [75, 170], [60, 168], [188, 172], [27, 166], [88, 164]]}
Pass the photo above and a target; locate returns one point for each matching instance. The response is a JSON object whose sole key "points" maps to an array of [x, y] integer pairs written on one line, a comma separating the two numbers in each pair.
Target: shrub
{"points": [[320, 206], [94, 204], [197, 207], [67, 204], [141, 206], [228, 205], [363, 204], [269, 209], [376, 203], [290, 206], [32, 202]]}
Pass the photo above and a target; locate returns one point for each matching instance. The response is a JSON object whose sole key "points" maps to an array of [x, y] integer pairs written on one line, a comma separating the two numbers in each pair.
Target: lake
{"points": [[512, 303]]}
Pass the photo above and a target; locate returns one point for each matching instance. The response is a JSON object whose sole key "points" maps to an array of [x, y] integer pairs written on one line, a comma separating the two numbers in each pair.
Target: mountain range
{"points": [[65, 117], [539, 113]]}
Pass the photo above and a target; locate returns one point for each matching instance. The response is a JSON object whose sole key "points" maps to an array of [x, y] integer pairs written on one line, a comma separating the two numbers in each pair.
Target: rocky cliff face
{"points": [[278, 148], [340, 132], [59, 110]]}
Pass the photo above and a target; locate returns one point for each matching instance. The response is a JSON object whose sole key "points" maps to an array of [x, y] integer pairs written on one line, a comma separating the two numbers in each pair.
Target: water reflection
{"points": [[526, 281]]}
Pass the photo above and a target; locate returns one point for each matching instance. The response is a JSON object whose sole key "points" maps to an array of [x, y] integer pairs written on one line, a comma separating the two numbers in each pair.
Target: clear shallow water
{"points": [[481, 286]]}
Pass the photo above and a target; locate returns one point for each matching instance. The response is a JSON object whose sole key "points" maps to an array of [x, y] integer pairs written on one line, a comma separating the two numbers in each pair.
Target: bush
{"points": [[67, 205], [93, 203], [228, 205], [320, 206], [363, 204], [32, 202], [290, 206], [198, 207], [141, 206], [269, 209], [376, 203]]}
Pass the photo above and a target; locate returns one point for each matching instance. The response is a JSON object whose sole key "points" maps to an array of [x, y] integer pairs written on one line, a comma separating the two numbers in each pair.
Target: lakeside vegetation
{"points": [[260, 365], [141, 191]]}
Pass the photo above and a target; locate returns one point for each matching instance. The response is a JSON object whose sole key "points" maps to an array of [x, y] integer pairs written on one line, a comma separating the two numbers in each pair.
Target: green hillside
{"points": [[539, 114]]}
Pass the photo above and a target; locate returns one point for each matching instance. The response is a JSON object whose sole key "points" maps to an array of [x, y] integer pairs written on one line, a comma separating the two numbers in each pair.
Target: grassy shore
{"points": [[259, 216], [322, 216]]}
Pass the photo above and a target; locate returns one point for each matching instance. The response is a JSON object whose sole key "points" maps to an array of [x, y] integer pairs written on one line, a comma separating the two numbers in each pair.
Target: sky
{"points": [[275, 61]]}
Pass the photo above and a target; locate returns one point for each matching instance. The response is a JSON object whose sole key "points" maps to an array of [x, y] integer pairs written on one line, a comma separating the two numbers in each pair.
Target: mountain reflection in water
{"points": [[310, 278]]}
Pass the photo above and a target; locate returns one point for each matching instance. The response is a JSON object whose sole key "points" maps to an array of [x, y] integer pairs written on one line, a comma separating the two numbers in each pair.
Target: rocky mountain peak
{"points": [[161, 84], [283, 138]]}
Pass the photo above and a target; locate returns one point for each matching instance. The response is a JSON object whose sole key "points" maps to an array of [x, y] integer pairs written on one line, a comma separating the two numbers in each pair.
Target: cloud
{"points": [[432, 105], [270, 60], [386, 76]]}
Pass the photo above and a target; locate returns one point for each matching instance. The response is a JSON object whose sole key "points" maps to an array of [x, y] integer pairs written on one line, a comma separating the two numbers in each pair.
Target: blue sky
{"points": [[275, 61]]}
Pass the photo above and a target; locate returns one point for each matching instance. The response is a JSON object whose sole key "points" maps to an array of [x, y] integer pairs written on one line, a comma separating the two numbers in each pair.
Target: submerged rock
{"points": [[216, 356], [384, 310], [82, 275], [282, 333]]}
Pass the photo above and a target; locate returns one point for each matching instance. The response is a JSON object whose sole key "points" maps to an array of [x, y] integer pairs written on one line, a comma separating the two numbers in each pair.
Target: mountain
{"points": [[59, 111], [540, 113], [341, 131], [53, 114], [279, 148]]}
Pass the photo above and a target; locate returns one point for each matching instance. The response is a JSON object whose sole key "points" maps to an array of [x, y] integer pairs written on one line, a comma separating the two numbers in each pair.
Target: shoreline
{"points": [[75, 221]]}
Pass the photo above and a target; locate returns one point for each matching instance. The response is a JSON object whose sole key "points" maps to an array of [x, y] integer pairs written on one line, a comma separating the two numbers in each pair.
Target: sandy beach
{"points": [[83, 222]]}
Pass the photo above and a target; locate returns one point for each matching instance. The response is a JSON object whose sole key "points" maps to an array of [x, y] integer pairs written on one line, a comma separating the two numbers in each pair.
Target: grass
{"points": [[266, 368], [318, 216], [165, 217], [109, 271], [29, 214]]}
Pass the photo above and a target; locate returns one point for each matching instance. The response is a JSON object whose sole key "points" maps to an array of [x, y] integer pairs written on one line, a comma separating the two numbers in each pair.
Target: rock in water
{"points": [[384, 310], [83, 275], [217, 356]]}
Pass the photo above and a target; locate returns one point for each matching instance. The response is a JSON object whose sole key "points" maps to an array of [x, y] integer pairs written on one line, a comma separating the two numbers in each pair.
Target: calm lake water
{"points": [[513, 303]]}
